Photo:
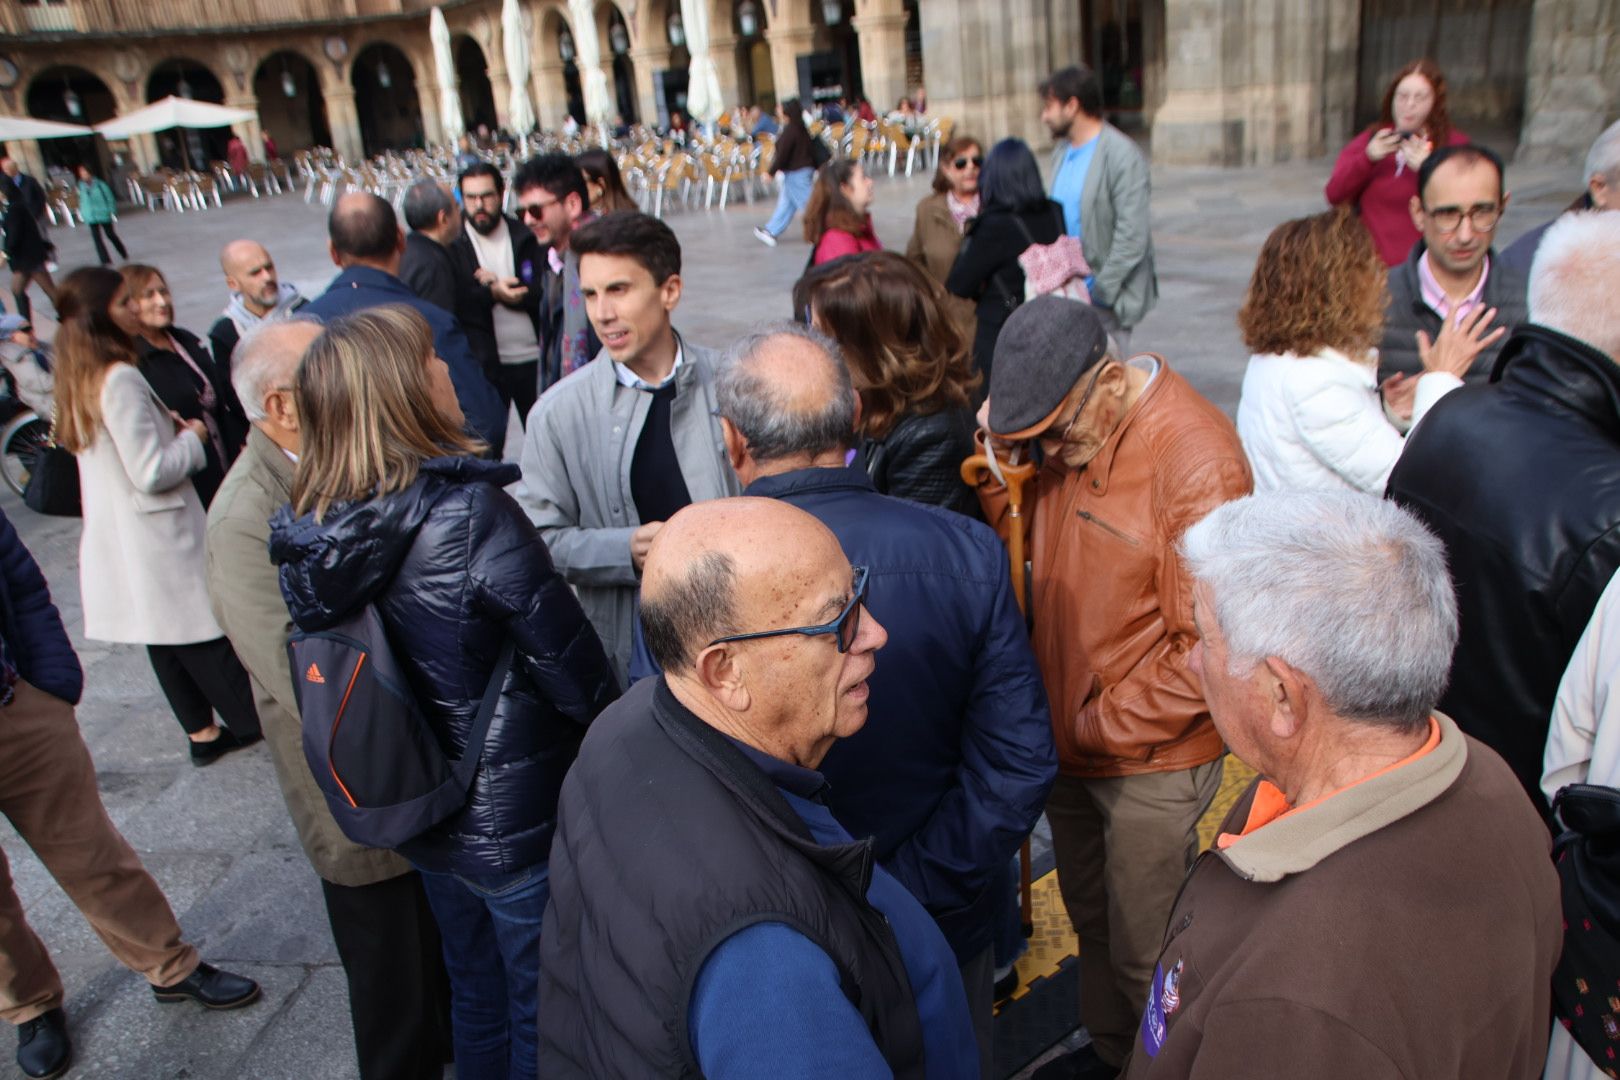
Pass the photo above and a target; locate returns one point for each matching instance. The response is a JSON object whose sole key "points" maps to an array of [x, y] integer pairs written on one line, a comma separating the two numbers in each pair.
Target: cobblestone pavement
{"points": [[219, 839]]}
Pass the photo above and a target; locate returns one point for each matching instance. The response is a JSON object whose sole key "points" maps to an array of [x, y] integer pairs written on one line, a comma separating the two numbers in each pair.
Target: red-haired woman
{"points": [[1377, 172]]}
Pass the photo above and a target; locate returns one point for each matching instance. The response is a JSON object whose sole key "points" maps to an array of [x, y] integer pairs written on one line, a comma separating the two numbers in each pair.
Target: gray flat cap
{"points": [[1044, 348]]}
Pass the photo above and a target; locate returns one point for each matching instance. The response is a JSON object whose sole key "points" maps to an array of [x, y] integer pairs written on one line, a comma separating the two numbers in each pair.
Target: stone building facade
{"points": [[1219, 82]]}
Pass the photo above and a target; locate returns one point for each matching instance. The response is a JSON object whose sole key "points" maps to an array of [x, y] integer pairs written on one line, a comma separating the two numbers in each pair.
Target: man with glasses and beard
{"points": [[554, 201], [1133, 457], [499, 307]]}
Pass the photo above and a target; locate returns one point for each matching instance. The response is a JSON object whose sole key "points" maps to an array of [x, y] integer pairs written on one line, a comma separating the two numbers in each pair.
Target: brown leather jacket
{"points": [[1112, 603]]}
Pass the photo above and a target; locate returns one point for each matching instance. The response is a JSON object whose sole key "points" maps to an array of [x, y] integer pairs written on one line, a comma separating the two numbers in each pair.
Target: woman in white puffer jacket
{"points": [[1312, 416]]}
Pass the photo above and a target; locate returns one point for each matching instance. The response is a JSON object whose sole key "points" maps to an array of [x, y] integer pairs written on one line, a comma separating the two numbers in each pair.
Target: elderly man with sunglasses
{"points": [[1133, 456], [709, 916]]}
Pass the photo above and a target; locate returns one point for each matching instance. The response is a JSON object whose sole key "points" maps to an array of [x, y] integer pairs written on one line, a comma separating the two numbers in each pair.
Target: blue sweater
{"points": [[798, 1023], [33, 644]]}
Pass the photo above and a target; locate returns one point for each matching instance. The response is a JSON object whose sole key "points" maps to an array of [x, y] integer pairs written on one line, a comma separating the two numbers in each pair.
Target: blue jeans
{"points": [[490, 924], [795, 193]]}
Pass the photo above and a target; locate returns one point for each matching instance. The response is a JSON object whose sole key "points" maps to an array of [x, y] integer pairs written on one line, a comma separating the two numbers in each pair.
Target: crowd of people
{"points": [[702, 738]]}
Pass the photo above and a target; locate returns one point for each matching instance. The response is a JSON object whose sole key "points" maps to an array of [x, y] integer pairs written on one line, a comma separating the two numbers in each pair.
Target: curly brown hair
{"points": [[905, 353], [1319, 283], [1438, 125]]}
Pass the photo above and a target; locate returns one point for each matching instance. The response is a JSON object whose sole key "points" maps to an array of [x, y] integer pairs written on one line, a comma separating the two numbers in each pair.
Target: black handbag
{"points": [[1586, 984], [53, 482]]}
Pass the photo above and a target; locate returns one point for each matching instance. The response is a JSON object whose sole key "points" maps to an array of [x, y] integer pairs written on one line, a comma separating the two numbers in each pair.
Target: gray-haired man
{"points": [[1340, 915], [1600, 190], [385, 934], [435, 222]]}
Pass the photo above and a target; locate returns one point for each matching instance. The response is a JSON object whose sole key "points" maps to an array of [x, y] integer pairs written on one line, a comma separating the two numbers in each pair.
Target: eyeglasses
{"points": [[1482, 217], [964, 162], [1085, 397], [844, 628], [480, 196], [534, 210]]}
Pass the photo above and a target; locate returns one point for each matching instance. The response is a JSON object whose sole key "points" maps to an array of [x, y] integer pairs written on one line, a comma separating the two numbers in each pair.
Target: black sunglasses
{"points": [[964, 162], [534, 210], [844, 628]]}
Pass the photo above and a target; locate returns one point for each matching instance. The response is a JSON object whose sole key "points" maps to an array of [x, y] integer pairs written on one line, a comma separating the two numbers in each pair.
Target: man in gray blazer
{"points": [[616, 448], [1101, 180], [381, 924]]}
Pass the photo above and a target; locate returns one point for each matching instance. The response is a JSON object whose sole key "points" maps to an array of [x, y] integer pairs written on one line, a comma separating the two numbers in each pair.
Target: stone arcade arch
{"points": [[472, 72], [72, 95], [292, 107], [194, 148], [386, 99]]}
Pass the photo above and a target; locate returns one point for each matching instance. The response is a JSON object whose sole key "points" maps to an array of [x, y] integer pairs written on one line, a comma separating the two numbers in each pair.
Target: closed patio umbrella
{"points": [[515, 43], [445, 70]]}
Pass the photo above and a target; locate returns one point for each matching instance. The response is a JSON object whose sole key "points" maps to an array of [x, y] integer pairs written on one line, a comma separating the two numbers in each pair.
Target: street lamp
{"points": [[832, 11], [184, 89], [677, 31], [289, 85], [565, 47], [618, 39], [385, 78], [75, 107], [748, 18]]}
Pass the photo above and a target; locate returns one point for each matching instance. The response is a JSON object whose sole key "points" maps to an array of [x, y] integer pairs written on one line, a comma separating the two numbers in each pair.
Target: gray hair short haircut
{"points": [[425, 200], [755, 408], [256, 362], [1349, 589], [690, 611], [1572, 279], [1604, 157]]}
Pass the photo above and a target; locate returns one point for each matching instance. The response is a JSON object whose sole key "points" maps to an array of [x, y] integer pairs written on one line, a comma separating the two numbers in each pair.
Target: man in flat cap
{"points": [[1131, 456]]}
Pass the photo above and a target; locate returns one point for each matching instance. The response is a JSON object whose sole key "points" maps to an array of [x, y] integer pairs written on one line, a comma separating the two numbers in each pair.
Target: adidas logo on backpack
{"points": [[314, 675]]}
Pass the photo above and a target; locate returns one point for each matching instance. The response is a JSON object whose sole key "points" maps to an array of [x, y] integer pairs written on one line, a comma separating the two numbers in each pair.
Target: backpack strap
{"points": [[464, 769]]}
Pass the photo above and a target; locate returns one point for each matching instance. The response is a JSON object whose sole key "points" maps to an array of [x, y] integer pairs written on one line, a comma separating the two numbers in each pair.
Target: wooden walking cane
{"points": [[974, 471]]}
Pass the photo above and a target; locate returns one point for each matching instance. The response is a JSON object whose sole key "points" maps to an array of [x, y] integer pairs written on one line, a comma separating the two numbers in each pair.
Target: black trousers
{"points": [[399, 994], [101, 248], [200, 680], [519, 384]]}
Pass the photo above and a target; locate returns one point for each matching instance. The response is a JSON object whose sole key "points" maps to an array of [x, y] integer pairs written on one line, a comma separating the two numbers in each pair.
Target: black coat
{"points": [[31, 633], [475, 304], [987, 270], [921, 459], [455, 569], [428, 269], [178, 387], [1521, 480], [1505, 290], [25, 244]]}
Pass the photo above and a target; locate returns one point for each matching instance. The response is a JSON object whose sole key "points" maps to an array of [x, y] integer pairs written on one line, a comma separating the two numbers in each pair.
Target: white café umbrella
{"points": [[703, 98], [174, 112], [588, 50], [515, 43], [445, 69], [26, 127]]}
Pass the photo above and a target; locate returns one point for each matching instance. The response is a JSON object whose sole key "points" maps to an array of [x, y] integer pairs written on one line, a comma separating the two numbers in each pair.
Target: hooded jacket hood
{"points": [[330, 568]]}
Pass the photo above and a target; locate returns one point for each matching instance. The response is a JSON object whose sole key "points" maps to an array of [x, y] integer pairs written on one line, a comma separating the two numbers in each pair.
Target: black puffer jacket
{"points": [[1521, 479], [454, 568], [921, 459]]}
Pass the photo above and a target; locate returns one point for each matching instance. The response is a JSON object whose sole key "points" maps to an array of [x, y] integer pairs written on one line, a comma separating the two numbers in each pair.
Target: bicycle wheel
{"points": [[20, 443]]}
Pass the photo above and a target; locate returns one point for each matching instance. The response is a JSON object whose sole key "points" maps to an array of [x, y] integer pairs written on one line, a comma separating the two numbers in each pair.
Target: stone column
{"points": [[646, 62], [344, 121], [1573, 87], [723, 51], [500, 84], [144, 149], [248, 130], [882, 38], [787, 45], [29, 157], [550, 94], [427, 96], [984, 59]]}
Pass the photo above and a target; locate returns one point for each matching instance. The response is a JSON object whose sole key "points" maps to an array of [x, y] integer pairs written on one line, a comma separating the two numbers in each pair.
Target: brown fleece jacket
{"points": [[1404, 927]]}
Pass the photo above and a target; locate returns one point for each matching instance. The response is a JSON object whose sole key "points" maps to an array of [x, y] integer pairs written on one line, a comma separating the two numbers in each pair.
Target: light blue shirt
{"points": [[1070, 183]]}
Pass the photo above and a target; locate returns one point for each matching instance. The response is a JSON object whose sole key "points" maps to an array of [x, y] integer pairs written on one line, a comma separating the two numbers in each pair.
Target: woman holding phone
{"points": [[1377, 172]]}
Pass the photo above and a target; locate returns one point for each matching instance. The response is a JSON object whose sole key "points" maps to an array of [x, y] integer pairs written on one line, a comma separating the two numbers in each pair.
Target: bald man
{"points": [[385, 934], [707, 911], [257, 296], [366, 243]]}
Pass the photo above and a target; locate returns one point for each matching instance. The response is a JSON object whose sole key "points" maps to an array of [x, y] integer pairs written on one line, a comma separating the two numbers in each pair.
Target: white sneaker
{"points": [[764, 237]]}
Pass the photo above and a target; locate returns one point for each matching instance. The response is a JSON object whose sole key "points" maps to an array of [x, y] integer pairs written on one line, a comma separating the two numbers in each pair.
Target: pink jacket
{"points": [[835, 243]]}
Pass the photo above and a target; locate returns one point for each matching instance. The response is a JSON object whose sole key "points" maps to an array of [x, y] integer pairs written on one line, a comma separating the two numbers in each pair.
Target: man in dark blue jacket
{"points": [[952, 770], [366, 241], [48, 792]]}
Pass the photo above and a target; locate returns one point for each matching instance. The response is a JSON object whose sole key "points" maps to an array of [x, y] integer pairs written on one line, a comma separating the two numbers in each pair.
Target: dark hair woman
{"points": [[393, 506], [1014, 213], [141, 565], [1377, 172], [909, 364], [182, 371], [27, 250], [602, 179], [838, 220]]}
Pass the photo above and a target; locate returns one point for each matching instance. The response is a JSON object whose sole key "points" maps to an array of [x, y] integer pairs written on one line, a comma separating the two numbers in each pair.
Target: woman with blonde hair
{"points": [[141, 551], [911, 367], [1310, 415], [393, 506]]}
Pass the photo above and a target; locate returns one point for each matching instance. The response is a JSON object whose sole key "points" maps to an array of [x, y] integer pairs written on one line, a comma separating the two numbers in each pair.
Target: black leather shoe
{"points": [[206, 753], [212, 988], [43, 1049]]}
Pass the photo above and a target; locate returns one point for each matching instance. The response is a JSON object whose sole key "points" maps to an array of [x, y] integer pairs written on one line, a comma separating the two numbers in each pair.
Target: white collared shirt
{"points": [[631, 381]]}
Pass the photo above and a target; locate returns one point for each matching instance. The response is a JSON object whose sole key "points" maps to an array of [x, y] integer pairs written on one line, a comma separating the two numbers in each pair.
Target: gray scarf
{"points": [[237, 310]]}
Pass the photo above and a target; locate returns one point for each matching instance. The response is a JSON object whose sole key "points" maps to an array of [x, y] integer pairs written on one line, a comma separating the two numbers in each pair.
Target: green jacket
{"points": [[1118, 242], [96, 203]]}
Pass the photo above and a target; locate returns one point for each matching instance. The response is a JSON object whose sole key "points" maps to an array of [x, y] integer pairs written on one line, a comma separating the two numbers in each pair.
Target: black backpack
{"points": [[368, 744]]}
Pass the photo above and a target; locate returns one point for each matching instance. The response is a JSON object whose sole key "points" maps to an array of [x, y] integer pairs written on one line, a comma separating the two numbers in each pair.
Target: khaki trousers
{"points": [[1123, 845], [48, 791]]}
